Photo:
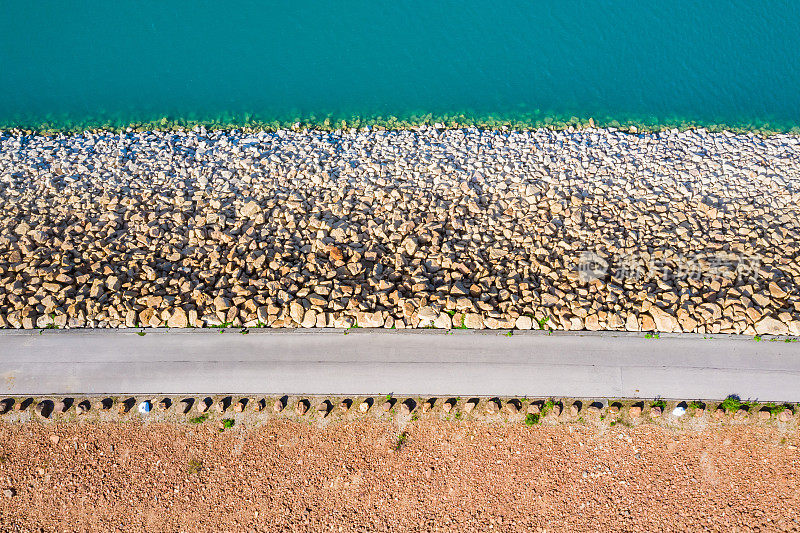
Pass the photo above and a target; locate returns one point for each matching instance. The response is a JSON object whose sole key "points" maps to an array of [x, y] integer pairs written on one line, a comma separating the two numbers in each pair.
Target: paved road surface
{"points": [[433, 362]]}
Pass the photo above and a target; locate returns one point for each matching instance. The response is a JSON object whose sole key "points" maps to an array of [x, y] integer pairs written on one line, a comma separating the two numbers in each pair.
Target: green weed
{"points": [[774, 409], [401, 439], [731, 404], [199, 419]]}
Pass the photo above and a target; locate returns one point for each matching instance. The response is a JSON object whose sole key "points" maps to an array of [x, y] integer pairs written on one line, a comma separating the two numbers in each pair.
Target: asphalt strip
{"points": [[404, 362]]}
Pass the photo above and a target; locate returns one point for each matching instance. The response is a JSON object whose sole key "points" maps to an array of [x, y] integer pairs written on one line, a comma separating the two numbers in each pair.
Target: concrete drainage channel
{"points": [[224, 412]]}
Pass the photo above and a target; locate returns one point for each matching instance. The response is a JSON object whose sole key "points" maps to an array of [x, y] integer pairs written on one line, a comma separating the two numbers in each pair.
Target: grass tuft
{"points": [[199, 419], [531, 419]]}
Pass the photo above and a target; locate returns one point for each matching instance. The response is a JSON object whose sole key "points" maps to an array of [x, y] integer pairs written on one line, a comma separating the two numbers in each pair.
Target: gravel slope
{"points": [[590, 229], [444, 476]]}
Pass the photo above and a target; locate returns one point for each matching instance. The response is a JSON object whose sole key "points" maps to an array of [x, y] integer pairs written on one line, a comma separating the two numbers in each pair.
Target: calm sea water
{"points": [[67, 64]]}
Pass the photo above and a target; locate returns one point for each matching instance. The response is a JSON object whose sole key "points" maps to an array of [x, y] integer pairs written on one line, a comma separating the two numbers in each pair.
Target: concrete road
{"points": [[421, 362]]}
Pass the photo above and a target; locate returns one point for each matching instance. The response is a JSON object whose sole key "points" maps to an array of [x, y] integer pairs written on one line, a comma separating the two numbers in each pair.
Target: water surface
{"points": [[84, 63]]}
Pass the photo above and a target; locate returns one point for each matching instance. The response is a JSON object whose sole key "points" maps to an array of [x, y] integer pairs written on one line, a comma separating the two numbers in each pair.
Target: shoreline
{"points": [[463, 228], [442, 122]]}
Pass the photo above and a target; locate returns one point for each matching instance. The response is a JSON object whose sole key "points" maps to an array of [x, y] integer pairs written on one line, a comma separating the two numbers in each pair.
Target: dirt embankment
{"points": [[372, 475]]}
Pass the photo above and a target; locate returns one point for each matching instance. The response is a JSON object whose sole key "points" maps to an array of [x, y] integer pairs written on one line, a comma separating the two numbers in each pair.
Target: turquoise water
{"points": [[87, 63]]}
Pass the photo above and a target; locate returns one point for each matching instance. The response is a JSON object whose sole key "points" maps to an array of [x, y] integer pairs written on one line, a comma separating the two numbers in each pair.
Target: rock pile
{"points": [[590, 229]]}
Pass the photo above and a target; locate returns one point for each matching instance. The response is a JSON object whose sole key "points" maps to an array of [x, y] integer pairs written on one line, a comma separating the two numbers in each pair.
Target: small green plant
{"points": [[548, 406], [757, 338], [661, 404], [543, 322], [775, 409], [789, 340], [463, 322], [450, 312], [244, 331], [400, 440], [195, 466], [651, 336], [226, 423], [531, 419], [224, 325], [731, 404], [510, 333], [141, 333], [694, 404], [199, 419]]}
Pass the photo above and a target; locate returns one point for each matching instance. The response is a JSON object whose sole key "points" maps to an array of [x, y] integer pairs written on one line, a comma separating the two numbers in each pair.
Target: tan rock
{"points": [[771, 326], [427, 314], [179, 319], [309, 319], [592, 322], [663, 321], [448, 406], [473, 321], [297, 311], [250, 209], [443, 321], [776, 291], [470, 406], [523, 322]]}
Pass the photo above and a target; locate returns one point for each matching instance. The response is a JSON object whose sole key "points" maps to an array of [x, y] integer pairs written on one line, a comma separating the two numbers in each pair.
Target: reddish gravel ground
{"points": [[446, 476]]}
